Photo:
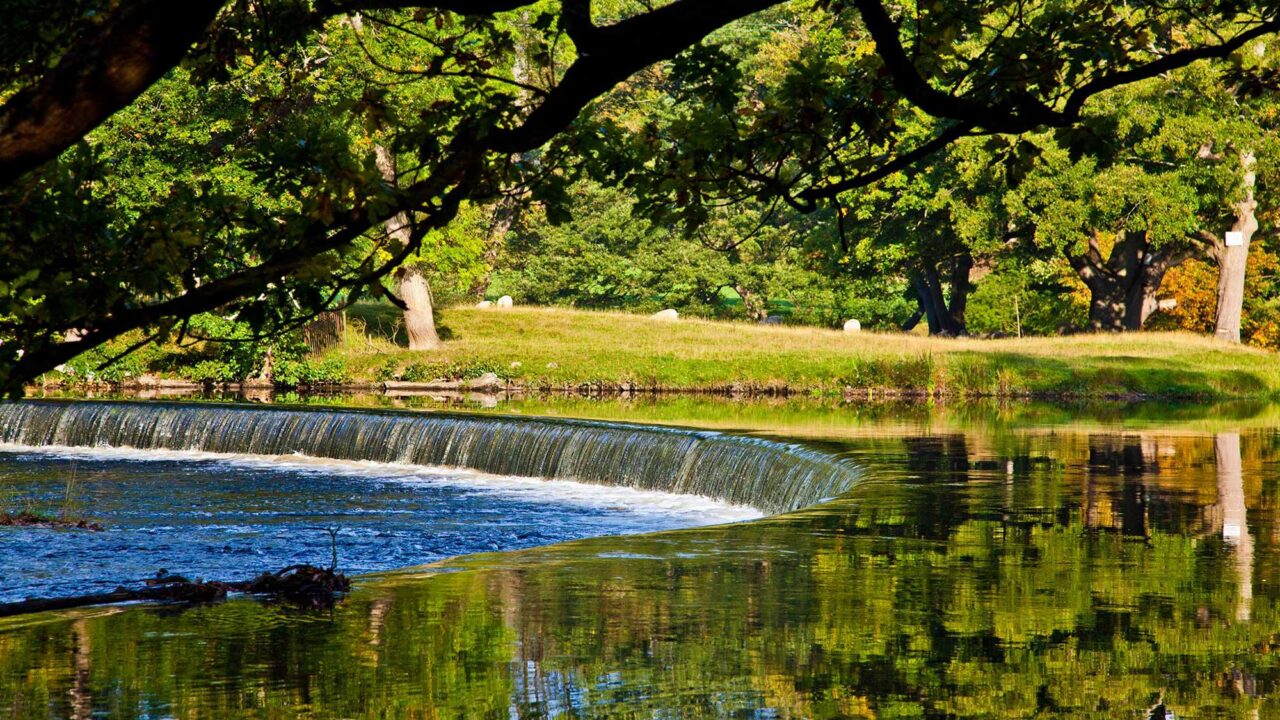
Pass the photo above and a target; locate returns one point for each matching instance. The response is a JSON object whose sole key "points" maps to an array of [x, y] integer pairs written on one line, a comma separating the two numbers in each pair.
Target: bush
{"points": [[467, 370], [89, 366], [386, 371], [295, 373]]}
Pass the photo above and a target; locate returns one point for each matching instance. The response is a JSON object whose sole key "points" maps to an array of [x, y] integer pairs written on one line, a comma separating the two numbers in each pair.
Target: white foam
{"points": [[691, 509]]}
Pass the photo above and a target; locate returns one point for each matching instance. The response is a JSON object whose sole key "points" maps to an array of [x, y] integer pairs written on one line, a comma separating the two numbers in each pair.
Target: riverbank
{"points": [[562, 351], [543, 349]]}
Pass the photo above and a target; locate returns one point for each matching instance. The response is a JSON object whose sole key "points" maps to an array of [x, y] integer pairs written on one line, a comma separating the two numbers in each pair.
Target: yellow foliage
{"points": [[1194, 284]]}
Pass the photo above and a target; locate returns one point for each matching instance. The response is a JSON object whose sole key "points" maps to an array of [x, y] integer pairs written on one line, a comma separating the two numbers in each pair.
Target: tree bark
{"points": [[419, 315], [915, 318], [412, 286], [927, 304], [960, 288], [507, 207], [1233, 259]]}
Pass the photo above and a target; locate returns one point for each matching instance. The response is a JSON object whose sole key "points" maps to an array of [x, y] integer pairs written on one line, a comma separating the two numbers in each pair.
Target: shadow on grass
{"points": [[1100, 376], [386, 322]]}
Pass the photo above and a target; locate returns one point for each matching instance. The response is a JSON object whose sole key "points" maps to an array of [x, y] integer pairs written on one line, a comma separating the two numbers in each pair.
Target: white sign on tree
{"points": [[1234, 238]]}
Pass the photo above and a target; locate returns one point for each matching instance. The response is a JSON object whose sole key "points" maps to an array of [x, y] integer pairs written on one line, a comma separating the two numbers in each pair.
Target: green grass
{"points": [[552, 347]]}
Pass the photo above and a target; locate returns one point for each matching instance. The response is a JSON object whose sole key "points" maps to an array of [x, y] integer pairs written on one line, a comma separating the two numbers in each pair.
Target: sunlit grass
{"points": [[556, 347]]}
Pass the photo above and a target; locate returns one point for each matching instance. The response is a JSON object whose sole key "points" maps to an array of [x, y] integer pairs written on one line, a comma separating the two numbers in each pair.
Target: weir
{"points": [[768, 475]]}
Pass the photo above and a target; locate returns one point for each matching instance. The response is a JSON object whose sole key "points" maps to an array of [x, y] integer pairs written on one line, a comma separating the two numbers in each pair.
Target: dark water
{"points": [[231, 519], [1078, 570]]}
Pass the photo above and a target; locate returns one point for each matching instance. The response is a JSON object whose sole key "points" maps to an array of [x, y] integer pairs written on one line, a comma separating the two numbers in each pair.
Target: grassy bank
{"points": [[553, 348]]}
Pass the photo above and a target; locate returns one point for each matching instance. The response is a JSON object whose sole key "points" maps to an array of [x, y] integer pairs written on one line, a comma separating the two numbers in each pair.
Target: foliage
{"points": [[245, 182], [1034, 297], [291, 373], [464, 370], [742, 264]]}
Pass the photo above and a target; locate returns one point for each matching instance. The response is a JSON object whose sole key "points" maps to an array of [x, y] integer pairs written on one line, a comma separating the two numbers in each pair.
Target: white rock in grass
{"points": [[484, 304], [668, 315], [505, 301], [852, 326]]}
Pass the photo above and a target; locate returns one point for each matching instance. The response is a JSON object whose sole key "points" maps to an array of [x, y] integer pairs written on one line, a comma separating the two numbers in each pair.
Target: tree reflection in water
{"points": [[981, 575]]}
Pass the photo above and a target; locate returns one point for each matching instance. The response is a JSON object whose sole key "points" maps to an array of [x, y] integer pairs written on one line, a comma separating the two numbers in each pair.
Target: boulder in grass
{"points": [[852, 326], [505, 301], [484, 304], [488, 381], [667, 315]]}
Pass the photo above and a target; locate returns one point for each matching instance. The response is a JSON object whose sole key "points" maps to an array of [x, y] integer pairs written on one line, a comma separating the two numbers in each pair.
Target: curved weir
{"points": [[771, 476]]}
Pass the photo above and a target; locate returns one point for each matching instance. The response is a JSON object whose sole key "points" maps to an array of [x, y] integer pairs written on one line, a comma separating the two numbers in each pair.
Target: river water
{"points": [[229, 517], [1100, 562]]}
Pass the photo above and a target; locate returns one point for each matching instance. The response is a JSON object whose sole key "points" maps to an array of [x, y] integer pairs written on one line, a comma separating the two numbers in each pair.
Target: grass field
{"points": [[546, 347]]}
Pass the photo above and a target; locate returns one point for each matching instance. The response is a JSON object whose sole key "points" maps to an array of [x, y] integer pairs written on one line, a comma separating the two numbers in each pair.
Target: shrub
{"points": [[386, 371], [467, 370], [295, 373]]}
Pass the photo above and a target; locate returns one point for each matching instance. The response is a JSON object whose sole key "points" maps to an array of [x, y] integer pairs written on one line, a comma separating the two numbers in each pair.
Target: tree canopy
{"points": [[158, 162]]}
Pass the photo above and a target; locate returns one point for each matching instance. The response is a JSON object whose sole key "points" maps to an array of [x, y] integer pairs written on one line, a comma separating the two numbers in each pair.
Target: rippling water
{"points": [[231, 517]]}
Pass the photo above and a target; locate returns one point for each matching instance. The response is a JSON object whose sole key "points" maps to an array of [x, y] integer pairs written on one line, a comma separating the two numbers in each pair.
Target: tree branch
{"points": [[620, 50], [901, 162], [1005, 118], [99, 75], [1168, 63]]}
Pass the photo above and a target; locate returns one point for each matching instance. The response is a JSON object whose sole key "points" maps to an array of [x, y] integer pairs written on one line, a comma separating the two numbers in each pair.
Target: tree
{"points": [[77, 269], [1151, 179], [932, 227], [1232, 258]]}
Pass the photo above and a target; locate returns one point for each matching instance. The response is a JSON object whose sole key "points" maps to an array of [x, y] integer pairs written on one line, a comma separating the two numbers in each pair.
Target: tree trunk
{"points": [[945, 311], [915, 318], [504, 214], [960, 288], [507, 207], [755, 307], [1140, 299], [1107, 308], [927, 305], [419, 317], [1232, 259], [1123, 287], [413, 290]]}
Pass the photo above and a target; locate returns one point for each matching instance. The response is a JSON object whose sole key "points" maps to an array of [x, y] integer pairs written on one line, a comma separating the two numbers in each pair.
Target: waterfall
{"points": [[769, 475]]}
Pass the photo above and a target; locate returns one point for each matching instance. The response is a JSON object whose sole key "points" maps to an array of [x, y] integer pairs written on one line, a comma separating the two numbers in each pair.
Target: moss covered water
{"points": [[1092, 568]]}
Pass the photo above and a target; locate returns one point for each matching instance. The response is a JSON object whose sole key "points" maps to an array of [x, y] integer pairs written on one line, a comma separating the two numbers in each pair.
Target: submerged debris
{"points": [[30, 519], [305, 585]]}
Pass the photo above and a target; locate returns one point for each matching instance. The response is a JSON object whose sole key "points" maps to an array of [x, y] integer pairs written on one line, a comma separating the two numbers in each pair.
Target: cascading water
{"points": [[770, 476]]}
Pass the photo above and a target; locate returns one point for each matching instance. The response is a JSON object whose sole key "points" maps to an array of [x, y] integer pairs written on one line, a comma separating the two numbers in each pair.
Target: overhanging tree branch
{"points": [[1168, 63], [620, 50], [138, 44], [898, 163]]}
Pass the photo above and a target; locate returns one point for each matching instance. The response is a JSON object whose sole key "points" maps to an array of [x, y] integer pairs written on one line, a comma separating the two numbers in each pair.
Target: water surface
{"points": [[1083, 568], [231, 517]]}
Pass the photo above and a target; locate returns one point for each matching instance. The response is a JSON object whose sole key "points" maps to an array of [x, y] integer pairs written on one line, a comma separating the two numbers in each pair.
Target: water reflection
{"points": [[1078, 574]]}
